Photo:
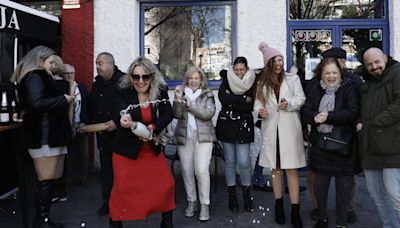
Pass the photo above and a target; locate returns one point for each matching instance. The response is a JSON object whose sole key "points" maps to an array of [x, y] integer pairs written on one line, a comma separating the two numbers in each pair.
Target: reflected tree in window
{"points": [[178, 37], [336, 9]]}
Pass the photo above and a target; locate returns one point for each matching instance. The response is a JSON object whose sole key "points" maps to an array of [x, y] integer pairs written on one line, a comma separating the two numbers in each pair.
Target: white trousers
{"points": [[195, 161]]}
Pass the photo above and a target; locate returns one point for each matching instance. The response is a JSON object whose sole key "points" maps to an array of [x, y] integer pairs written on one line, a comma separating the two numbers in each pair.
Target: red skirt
{"points": [[141, 186]]}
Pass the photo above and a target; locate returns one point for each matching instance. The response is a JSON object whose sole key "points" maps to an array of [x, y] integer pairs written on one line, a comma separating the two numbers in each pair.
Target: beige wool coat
{"points": [[286, 123]]}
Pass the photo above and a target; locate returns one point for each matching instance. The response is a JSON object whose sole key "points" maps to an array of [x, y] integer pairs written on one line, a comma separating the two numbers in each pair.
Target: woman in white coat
{"points": [[279, 98]]}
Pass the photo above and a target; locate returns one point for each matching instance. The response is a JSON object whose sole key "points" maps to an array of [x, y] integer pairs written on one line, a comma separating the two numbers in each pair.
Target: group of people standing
{"points": [[352, 127]]}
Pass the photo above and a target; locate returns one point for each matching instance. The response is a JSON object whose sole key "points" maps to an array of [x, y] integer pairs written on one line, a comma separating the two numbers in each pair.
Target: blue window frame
{"points": [[338, 28], [206, 53]]}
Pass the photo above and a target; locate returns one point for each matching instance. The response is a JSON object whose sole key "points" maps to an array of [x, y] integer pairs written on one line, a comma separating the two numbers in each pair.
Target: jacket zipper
{"points": [[334, 140]]}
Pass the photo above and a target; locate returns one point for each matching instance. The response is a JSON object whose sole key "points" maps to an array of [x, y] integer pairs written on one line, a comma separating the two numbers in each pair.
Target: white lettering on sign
{"points": [[11, 22]]}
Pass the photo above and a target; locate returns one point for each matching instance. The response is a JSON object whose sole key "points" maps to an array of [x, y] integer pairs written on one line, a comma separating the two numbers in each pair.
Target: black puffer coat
{"points": [[347, 107], [235, 120]]}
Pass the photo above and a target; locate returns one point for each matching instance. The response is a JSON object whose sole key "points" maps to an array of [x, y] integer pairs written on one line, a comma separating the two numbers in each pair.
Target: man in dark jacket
{"points": [[104, 91], [380, 133]]}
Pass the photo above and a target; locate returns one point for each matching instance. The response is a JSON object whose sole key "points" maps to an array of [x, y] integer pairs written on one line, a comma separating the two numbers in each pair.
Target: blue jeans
{"points": [[384, 187], [237, 154]]}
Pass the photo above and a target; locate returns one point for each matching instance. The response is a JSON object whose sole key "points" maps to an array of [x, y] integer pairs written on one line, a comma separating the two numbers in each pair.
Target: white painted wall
{"points": [[116, 30], [260, 20], [394, 27]]}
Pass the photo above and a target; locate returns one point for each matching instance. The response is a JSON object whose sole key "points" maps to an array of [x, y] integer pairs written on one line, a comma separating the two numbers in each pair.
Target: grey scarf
{"points": [[327, 104]]}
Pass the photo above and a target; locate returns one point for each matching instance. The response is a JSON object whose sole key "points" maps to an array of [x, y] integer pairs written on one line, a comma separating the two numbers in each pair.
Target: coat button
{"points": [[101, 94]]}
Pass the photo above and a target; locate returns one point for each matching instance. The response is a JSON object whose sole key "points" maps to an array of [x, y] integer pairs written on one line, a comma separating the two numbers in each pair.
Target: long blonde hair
{"points": [[59, 69], [270, 79], [33, 60], [157, 80]]}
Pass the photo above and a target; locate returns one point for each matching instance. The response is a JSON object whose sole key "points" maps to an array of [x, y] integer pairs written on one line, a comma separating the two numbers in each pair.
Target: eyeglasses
{"points": [[144, 77]]}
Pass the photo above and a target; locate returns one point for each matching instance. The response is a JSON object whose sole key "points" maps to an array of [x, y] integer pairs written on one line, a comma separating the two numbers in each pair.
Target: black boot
{"points": [[247, 199], [115, 224], [44, 194], [295, 216], [279, 212], [233, 204], [166, 221], [60, 190]]}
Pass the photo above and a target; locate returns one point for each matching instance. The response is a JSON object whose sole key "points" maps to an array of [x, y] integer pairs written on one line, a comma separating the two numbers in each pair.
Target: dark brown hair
{"points": [[269, 78]]}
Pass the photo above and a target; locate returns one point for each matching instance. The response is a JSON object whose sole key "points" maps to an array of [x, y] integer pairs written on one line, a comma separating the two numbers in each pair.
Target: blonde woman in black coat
{"points": [[46, 126]]}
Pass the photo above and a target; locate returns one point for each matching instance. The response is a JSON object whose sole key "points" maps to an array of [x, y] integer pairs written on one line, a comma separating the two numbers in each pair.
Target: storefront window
{"points": [[355, 41], [179, 36], [336, 9], [307, 46]]}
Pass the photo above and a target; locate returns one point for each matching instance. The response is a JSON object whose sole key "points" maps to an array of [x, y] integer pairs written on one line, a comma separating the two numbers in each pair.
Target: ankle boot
{"points": [[115, 224], [166, 221], [192, 207], [247, 199], [279, 211], [59, 190], [204, 212], [233, 204], [43, 200], [295, 216]]}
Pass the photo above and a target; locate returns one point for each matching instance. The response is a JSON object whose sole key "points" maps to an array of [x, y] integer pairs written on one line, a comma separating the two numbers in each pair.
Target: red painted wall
{"points": [[77, 40], [77, 46]]}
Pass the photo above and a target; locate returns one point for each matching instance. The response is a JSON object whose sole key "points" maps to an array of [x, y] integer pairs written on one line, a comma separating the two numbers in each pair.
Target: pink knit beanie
{"points": [[268, 52]]}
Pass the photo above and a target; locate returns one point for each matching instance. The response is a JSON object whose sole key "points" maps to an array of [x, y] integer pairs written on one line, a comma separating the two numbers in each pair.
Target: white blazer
{"points": [[284, 122]]}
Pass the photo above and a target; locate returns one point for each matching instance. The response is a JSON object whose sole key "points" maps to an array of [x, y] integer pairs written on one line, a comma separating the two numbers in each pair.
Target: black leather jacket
{"points": [[40, 100]]}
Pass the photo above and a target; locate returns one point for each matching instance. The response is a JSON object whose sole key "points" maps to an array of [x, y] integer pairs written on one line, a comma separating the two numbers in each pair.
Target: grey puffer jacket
{"points": [[203, 109]]}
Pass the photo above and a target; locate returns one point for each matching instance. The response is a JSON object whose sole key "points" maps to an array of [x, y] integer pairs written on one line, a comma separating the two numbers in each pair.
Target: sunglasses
{"points": [[144, 77]]}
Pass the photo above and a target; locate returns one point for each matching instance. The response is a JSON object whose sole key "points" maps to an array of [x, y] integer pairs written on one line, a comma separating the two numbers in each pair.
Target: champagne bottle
{"points": [[14, 113], [4, 112], [140, 130]]}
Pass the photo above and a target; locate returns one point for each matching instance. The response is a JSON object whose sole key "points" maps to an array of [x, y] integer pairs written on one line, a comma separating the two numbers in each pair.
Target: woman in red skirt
{"points": [[143, 182]]}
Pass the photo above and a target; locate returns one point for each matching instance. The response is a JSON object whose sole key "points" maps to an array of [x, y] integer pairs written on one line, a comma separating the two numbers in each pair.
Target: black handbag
{"points": [[339, 141]]}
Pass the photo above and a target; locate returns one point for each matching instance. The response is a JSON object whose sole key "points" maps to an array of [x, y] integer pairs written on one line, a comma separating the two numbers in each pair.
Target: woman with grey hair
{"points": [[194, 107], [46, 127], [143, 183]]}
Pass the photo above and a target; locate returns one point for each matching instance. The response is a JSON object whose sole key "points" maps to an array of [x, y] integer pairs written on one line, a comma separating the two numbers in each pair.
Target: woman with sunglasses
{"points": [[279, 98], [194, 107], [143, 183]]}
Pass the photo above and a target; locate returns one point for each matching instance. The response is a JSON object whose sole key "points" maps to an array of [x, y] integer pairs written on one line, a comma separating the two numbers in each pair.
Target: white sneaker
{"points": [[192, 207], [204, 213]]}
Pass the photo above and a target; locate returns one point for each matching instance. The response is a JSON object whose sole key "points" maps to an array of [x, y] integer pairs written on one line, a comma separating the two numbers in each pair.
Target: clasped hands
{"points": [[263, 112], [321, 117], [179, 95]]}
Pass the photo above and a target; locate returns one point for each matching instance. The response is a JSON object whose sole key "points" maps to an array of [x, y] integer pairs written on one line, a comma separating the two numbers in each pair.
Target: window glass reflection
{"points": [[178, 37], [336, 9]]}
